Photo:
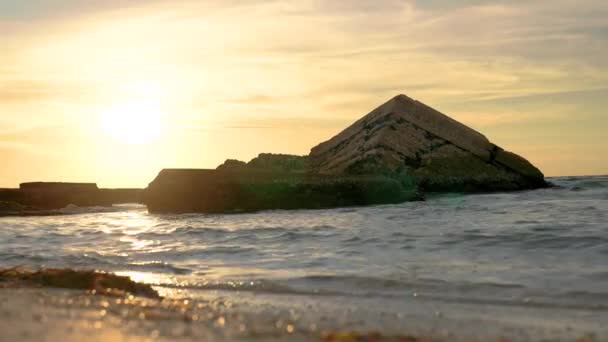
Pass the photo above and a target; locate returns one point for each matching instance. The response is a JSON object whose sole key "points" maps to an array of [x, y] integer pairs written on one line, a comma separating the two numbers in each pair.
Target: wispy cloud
{"points": [[311, 63]]}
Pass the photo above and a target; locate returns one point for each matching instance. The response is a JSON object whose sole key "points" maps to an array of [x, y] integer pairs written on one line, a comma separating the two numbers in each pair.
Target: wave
{"points": [[534, 237], [542, 242], [90, 261], [157, 266], [244, 235], [258, 285], [485, 293], [203, 253], [74, 209], [341, 285], [589, 185], [579, 184]]}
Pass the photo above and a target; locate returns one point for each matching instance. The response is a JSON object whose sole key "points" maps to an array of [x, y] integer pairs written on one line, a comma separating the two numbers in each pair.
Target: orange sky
{"points": [[113, 92]]}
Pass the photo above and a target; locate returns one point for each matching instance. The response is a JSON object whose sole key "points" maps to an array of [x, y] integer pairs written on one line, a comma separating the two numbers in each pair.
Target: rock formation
{"points": [[52, 195], [391, 155], [407, 137], [44, 198], [235, 187], [270, 162], [10, 195], [101, 282], [120, 196]]}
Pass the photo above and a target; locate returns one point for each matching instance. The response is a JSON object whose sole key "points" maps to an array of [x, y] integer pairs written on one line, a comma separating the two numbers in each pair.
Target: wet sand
{"points": [[37, 314], [64, 315]]}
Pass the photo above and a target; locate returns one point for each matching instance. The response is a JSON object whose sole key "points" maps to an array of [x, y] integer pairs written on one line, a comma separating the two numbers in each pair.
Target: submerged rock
{"points": [[100, 282], [441, 154]]}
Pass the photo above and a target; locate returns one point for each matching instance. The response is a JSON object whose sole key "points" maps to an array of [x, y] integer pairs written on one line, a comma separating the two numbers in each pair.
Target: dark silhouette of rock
{"points": [[270, 162], [441, 154], [280, 163], [232, 164], [121, 196], [53, 195], [392, 154], [252, 189], [11, 207], [45, 198], [11, 195]]}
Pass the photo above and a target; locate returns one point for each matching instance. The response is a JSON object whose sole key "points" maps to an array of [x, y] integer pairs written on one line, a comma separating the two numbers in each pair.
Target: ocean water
{"points": [[540, 254]]}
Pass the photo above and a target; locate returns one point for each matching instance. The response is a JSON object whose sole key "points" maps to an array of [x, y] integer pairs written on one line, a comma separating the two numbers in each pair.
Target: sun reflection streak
{"points": [[137, 244], [147, 277]]}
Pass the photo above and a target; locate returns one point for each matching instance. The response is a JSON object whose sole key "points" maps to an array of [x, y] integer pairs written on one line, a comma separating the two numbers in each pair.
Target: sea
{"points": [[533, 263]]}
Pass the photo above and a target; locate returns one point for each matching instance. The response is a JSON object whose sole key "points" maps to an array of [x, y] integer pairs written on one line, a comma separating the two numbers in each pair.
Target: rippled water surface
{"points": [[547, 248]]}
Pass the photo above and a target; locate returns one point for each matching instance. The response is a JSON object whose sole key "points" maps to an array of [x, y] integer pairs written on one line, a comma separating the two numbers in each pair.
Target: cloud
{"points": [[316, 64], [45, 9], [24, 91]]}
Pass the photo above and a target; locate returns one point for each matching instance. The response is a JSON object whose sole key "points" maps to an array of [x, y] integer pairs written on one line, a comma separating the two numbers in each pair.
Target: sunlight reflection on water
{"points": [[511, 245]]}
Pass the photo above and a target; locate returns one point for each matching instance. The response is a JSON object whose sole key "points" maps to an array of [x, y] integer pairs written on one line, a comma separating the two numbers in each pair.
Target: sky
{"points": [[112, 92]]}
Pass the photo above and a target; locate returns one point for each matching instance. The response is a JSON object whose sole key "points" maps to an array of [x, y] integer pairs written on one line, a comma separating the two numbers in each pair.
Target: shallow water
{"points": [[545, 249]]}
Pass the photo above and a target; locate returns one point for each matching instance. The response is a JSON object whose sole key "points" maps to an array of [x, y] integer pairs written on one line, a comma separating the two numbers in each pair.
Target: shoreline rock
{"points": [[394, 154], [441, 154], [246, 190], [55, 195], [100, 282], [48, 198]]}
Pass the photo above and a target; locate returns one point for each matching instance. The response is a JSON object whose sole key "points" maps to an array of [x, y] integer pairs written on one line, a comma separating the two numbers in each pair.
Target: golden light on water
{"points": [[146, 277]]}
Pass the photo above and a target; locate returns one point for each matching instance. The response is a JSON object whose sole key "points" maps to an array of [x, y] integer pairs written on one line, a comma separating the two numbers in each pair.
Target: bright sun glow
{"points": [[134, 122]]}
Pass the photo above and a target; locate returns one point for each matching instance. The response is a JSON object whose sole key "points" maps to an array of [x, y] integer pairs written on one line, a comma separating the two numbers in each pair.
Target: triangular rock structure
{"points": [[392, 155], [406, 136]]}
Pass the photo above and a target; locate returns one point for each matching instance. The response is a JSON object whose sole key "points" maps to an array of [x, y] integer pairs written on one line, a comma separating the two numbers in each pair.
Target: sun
{"points": [[135, 122]]}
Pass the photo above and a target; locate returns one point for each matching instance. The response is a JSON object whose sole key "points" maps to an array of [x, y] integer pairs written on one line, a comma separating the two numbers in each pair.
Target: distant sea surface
{"points": [[544, 251]]}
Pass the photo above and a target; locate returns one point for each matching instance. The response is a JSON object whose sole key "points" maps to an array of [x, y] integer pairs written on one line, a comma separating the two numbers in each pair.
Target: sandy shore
{"points": [[65, 315], [70, 305], [72, 315]]}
